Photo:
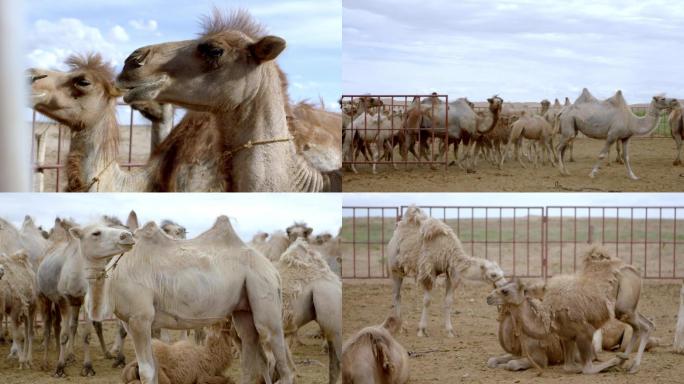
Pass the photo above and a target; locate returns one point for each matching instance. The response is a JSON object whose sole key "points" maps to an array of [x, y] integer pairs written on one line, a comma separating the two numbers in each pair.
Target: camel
{"points": [[330, 248], [189, 159], [678, 344], [173, 229], [231, 73], [366, 130], [62, 280], [161, 117], [186, 363], [33, 242], [464, 122], [440, 253], [379, 131], [242, 283], [271, 246], [373, 356], [676, 121], [18, 302], [610, 119], [312, 292], [534, 128]]}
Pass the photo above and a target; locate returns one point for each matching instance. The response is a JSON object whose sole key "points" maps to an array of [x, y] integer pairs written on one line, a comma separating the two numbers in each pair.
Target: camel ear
{"points": [[489, 100], [267, 49], [76, 232], [132, 221], [392, 324]]}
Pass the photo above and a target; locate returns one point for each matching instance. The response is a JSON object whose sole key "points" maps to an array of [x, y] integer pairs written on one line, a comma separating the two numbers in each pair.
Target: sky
{"points": [[197, 212], [522, 50], [115, 28], [522, 199]]}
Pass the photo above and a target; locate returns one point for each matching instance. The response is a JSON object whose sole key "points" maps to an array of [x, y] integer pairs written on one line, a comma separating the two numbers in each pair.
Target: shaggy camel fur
{"points": [[63, 285], [441, 252], [186, 363], [373, 356], [611, 120], [676, 121], [18, 302], [230, 72], [271, 246], [312, 292], [188, 160], [678, 344], [534, 128], [151, 286]]}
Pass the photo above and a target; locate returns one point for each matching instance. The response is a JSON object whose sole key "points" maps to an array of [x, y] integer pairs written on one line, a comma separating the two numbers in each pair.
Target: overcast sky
{"points": [[251, 212], [115, 28], [523, 50], [521, 199]]}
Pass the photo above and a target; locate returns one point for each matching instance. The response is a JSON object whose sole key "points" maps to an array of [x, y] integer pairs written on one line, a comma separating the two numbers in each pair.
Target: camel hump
{"points": [[149, 229], [585, 97], [617, 99]]}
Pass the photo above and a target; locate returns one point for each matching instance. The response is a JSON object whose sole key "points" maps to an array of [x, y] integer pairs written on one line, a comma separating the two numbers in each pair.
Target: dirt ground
{"points": [[310, 360], [463, 358], [651, 160]]}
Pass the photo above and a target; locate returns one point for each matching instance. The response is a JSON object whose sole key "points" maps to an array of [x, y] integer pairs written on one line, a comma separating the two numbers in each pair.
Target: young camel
{"points": [[230, 72], [271, 246], [441, 252], [534, 128], [611, 120], [676, 121], [18, 302], [186, 363], [373, 356], [312, 292], [151, 286]]}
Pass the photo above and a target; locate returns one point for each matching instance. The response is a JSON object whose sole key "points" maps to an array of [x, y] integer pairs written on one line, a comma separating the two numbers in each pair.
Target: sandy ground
{"points": [[463, 358], [651, 160], [311, 362]]}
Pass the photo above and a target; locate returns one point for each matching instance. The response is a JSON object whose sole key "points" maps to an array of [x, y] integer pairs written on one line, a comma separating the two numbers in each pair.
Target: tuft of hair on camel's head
{"points": [[598, 254], [299, 230], [101, 71], [413, 215], [113, 222]]}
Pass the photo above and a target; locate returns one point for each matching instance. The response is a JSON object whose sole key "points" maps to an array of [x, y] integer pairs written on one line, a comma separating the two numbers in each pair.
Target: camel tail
{"points": [[381, 352]]}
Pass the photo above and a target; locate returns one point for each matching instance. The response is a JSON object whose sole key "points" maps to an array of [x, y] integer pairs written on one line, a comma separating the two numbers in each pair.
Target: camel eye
{"points": [[210, 51], [82, 82], [505, 292], [97, 233]]}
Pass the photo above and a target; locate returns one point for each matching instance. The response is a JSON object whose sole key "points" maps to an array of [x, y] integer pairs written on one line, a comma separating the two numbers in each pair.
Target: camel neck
{"points": [[488, 121], [530, 320], [264, 167], [646, 124]]}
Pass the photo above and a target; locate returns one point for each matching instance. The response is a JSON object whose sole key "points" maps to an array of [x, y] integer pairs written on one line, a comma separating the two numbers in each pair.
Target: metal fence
{"points": [[384, 132], [535, 241], [62, 140]]}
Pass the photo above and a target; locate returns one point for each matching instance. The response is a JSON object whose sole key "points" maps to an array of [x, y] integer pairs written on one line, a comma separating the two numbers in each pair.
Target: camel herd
{"points": [[566, 319], [373, 130], [241, 132], [151, 278]]}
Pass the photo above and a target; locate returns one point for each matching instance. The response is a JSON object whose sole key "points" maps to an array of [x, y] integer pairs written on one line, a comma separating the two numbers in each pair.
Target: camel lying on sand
{"points": [[230, 72], [184, 362], [373, 356], [18, 302]]}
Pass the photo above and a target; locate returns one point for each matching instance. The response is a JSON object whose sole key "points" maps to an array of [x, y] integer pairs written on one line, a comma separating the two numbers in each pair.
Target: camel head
{"points": [[545, 104], [259, 237], [414, 215], [491, 272], [322, 238], [29, 226], [77, 98], [662, 103], [299, 230], [495, 103], [220, 70], [512, 292], [173, 229], [99, 241]]}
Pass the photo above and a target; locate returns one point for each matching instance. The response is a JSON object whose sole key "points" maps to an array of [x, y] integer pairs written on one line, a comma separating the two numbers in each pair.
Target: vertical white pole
{"points": [[15, 133], [678, 344]]}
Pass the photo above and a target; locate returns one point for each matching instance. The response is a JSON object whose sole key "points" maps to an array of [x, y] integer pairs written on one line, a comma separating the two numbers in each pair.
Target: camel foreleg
{"points": [[422, 325], [449, 288], [602, 155]]}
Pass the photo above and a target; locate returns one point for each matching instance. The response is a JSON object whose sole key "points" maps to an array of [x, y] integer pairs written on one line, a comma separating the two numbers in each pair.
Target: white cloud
{"points": [[142, 25], [118, 34], [50, 42]]}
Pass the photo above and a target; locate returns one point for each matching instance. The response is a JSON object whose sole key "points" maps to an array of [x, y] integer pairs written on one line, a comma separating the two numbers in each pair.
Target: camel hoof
{"points": [[633, 368], [492, 362], [87, 370], [422, 333], [450, 334], [592, 174], [59, 371], [108, 355], [470, 170], [119, 362]]}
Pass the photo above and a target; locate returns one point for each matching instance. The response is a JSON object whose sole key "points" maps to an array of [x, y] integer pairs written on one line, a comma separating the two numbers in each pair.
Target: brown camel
{"points": [[676, 120], [230, 72]]}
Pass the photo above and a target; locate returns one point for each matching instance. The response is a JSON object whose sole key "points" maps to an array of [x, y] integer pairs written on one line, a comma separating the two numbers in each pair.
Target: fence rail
{"points": [[534, 241]]}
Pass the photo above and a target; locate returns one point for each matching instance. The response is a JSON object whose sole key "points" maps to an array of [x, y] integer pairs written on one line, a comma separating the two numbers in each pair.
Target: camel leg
{"points": [[518, 156], [449, 289], [518, 364], [17, 350], [569, 353], [563, 144], [73, 331], [602, 155], [396, 294], [117, 348], [28, 332], [100, 337], [140, 328], [678, 142], [586, 351], [422, 326], [87, 360], [374, 155], [252, 363], [641, 330], [499, 361], [65, 309], [48, 319], [572, 158], [618, 156], [625, 156], [597, 341]]}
